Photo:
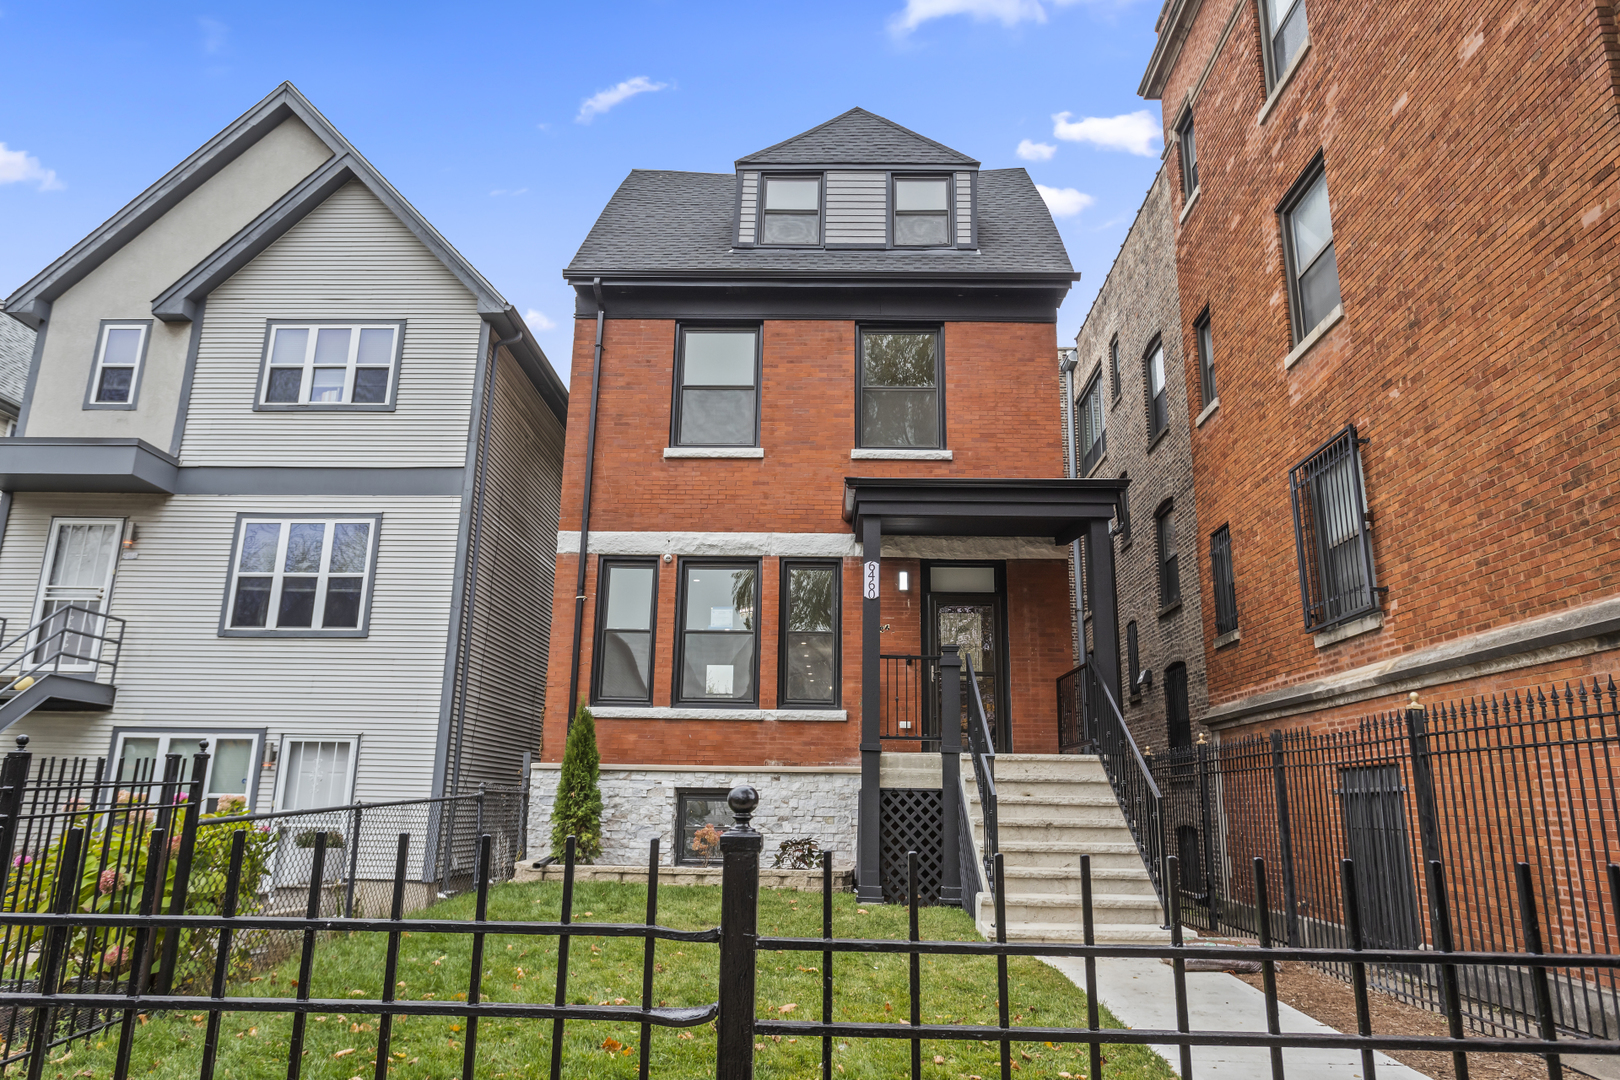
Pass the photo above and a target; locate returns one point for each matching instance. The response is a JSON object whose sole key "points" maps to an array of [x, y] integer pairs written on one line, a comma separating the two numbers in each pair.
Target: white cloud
{"points": [[1064, 201], [1135, 133], [18, 167], [214, 33], [603, 100], [1036, 151], [1006, 12], [537, 320], [509, 191]]}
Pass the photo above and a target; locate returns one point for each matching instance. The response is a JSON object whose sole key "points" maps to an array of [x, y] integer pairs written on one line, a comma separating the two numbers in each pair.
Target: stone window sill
{"points": [[1317, 334], [1170, 609], [1158, 438], [1282, 83], [714, 452], [1192, 202], [884, 454], [1231, 637], [664, 712], [1354, 628], [1209, 411]]}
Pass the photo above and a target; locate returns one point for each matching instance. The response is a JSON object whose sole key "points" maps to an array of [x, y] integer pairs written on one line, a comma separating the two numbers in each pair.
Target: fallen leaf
{"points": [[455, 1027], [357, 993], [344, 1053], [860, 911], [789, 1007], [588, 914], [938, 1060], [612, 1046], [683, 1035], [888, 1006], [196, 1019], [620, 1001]]}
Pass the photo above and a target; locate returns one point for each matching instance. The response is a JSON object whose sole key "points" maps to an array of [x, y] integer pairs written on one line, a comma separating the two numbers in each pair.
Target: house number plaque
{"points": [[872, 579]]}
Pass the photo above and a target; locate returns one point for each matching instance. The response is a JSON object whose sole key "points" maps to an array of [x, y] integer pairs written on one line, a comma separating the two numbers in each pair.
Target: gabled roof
{"points": [[681, 225], [177, 303], [859, 137], [16, 352]]}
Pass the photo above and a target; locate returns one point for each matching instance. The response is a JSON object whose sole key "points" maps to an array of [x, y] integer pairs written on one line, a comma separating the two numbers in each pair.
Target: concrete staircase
{"points": [[1053, 808]]}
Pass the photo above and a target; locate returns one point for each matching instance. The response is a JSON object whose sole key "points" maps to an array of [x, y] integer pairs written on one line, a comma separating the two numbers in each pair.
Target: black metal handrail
{"points": [[1129, 776], [1073, 735], [910, 697], [983, 748], [56, 640]]}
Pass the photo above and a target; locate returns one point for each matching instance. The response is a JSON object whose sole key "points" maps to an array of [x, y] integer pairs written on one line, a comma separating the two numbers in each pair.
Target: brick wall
{"points": [[1138, 302], [1471, 156], [1001, 420]]}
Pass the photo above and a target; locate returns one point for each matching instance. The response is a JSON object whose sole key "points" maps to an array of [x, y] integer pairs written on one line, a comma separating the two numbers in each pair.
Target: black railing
{"points": [[1128, 774], [1332, 540], [1073, 738], [736, 1012], [71, 640], [910, 697], [982, 746], [1473, 788]]}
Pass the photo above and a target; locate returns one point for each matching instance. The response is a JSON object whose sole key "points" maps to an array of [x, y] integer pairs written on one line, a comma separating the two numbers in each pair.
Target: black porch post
{"points": [[869, 883], [950, 768], [1104, 604]]}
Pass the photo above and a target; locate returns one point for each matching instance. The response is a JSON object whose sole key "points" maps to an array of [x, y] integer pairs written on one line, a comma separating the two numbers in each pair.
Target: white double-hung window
{"points": [[233, 756], [331, 365], [300, 576], [116, 375]]}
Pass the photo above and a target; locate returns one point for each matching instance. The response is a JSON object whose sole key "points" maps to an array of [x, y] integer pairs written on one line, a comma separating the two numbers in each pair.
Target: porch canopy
{"points": [[1065, 510]]}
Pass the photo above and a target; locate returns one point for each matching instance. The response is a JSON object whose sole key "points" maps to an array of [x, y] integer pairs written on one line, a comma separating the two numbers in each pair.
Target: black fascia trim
{"points": [[787, 565], [599, 628], [681, 327], [902, 276], [939, 305], [362, 631], [678, 658], [862, 328]]}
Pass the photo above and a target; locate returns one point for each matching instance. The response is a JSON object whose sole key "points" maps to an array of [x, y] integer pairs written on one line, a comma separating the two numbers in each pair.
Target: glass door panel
{"points": [[80, 558]]}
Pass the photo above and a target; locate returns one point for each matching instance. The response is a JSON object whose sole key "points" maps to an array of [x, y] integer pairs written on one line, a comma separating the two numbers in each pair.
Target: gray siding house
{"points": [[286, 478], [16, 349]]}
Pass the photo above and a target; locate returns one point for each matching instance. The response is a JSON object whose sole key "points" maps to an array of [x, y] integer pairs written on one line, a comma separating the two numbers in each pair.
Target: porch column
{"points": [[1104, 604], [868, 876], [950, 761]]}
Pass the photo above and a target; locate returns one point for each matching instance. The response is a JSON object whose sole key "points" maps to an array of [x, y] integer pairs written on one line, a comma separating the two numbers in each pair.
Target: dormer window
{"points": [[921, 211], [792, 211]]}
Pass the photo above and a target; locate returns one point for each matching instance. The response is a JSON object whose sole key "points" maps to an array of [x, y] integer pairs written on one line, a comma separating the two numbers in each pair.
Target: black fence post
{"points": [[13, 779], [1428, 815], [950, 765], [1285, 840], [354, 861], [740, 846], [182, 866], [1212, 903], [1539, 983]]}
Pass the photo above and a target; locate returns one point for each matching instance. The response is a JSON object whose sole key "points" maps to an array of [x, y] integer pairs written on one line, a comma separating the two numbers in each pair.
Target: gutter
{"points": [[1072, 470], [585, 507]]}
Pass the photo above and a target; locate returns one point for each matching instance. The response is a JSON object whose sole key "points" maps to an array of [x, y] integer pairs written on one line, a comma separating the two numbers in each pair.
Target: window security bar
{"points": [[1332, 539]]}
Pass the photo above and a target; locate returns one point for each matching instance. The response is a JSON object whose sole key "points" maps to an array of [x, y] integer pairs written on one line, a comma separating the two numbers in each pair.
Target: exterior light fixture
{"points": [[905, 581], [130, 536]]}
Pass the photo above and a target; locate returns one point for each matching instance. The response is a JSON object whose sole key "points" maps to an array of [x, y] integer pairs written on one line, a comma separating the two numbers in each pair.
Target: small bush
{"points": [[577, 809], [798, 853], [306, 839]]}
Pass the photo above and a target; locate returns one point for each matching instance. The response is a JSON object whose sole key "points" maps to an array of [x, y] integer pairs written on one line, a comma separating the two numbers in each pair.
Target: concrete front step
{"points": [[1065, 934], [1079, 796], [1064, 881], [1081, 835], [1066, 910], [1122, 856]]}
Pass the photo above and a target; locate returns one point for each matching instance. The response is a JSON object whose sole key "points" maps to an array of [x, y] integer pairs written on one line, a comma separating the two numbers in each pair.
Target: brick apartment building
{"points": [[1398, 234], [814, 434], [1131, 421]]}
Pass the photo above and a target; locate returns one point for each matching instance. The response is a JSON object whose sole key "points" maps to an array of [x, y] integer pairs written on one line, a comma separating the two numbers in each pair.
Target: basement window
{"points": [[695, 811]]}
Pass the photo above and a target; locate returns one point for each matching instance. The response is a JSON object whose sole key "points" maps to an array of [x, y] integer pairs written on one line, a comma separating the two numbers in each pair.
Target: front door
{"points": [[80, 555], [972, 622]]}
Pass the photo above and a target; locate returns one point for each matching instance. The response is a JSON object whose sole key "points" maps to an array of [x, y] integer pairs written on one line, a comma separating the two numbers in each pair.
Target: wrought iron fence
{"points": [[74, 841], [734, 1012], [1471, 790], [910, 699], [1140, 798]]}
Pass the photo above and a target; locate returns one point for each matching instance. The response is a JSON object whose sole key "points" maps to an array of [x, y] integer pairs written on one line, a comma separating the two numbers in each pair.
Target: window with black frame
{"points": [[1093, 426], [1206, 359], [1333, 543], [1187, 142], [792, 213], [719, 633], [1225, 581], [700, 817], [899, 389], [717, 387], [922, 216], [625, 604], [1286, 32], [1177, 715], [1313, 268], [1158, 394], [1169, 562], [1133, 660], [809, 634]]}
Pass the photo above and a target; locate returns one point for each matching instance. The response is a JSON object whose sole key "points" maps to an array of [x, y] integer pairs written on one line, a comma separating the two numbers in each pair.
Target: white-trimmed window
{"points": [[301, 576], [233, 758], [117, 372], [315, 773], [331, 364]]}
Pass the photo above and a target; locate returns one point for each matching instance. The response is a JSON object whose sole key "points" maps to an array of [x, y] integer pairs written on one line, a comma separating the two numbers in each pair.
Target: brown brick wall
{"points": [[1470, 157]]}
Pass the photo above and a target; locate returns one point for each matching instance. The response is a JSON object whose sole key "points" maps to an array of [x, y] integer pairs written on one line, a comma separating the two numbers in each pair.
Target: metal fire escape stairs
{"points": [[65, 662]]}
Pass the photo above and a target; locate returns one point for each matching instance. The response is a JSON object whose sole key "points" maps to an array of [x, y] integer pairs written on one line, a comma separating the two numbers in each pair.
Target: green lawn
{"points": [[254, 1046]]}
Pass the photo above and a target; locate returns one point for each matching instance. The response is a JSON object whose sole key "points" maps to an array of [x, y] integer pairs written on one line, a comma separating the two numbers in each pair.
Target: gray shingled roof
{"points": [[16, 352], [858, 137], [677, 223]]}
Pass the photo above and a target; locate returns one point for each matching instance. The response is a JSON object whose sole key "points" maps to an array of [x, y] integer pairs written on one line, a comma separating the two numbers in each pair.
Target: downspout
{"points": [[585, 507], [481, 466], [1072, 468]]}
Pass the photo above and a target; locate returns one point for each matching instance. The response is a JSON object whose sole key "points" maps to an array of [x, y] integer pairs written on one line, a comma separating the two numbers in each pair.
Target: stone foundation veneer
{"points": [[638, 803]]}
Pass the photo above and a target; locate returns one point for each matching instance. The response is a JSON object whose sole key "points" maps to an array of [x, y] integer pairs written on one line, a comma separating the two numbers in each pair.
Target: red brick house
{"points": [[814, 434]]}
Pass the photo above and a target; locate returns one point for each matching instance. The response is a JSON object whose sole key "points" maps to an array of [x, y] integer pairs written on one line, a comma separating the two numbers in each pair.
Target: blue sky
{"points": [[510, 125]]}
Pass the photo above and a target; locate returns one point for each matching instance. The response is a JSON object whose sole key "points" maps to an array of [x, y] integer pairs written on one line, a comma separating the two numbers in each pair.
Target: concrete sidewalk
{"points": [[1142, 994]]}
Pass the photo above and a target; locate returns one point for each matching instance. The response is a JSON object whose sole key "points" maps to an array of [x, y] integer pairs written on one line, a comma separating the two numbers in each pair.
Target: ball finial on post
{"points": [[743, 800], [22, 742]]}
